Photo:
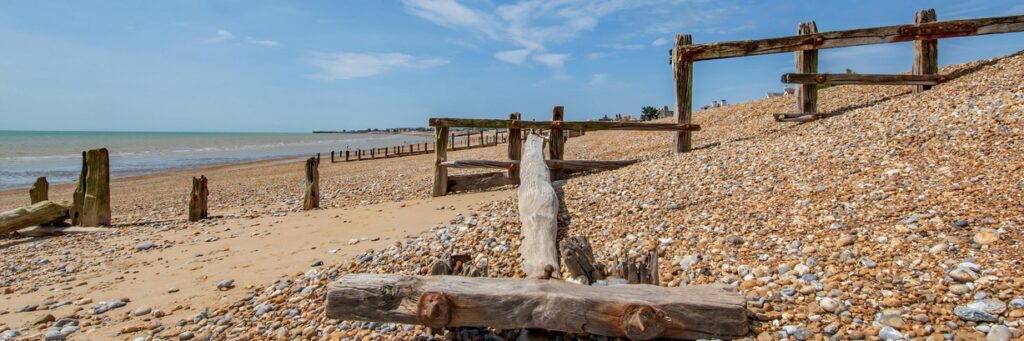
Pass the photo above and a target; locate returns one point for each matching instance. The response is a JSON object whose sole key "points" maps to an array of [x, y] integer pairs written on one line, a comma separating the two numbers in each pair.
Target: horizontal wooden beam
{"points": [[848, 78], [565, 125], [638, 311], [864, 36], [570, 165]]}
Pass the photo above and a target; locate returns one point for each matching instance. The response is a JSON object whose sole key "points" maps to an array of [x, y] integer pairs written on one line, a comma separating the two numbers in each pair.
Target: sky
{"points": [[298, 66]]}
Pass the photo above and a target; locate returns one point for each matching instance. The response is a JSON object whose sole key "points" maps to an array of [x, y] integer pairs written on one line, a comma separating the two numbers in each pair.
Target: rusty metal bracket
{"points": [[820, 78], [937, 30], [557, 125]]}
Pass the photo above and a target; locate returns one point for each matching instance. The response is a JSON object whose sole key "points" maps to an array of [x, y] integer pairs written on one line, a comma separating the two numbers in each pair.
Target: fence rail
{"points": [[843, 78]]}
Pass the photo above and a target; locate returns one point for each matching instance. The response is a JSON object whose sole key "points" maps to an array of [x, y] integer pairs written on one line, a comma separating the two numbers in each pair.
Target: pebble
{"points": [[53, 335], [980, 311], [831, 305], [226, 284], [144, 246], [142, 311], [998, 333], [186, 336], [889, 333], [986, 236]]}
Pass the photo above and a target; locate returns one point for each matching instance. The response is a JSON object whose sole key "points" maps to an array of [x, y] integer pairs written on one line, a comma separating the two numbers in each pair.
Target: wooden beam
{"points": [[440, 155], [866, 79], [807, 62], [311, 198], [639, 312], [570, 125], [568, 165], [926, 52], [682, 72], [863, 36], [40, 213], [556, 141], [538, 212]]}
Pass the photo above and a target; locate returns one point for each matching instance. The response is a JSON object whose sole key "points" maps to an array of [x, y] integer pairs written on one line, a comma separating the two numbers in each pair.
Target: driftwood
{"points": [[40, 190], [565, 125], [578, 258], [538, 211], [635, 311], [42, 231], [40, 213], [312, 196], [91, 205], [643, 271], [197, 203], [863, 36]]}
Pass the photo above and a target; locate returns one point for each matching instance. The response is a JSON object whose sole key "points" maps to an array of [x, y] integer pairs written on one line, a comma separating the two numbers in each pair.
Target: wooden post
{"points": [[807, 62], [682, 70], [197, 204], [440, 155], [386, 152], [318, 158], [452, 142], [578, 257], [332, 156], [538, 212], [91, 202], [373, 152], [515, 148], [556, 141], [638, 312], [346, 155], [926, 52], [40, 190], [312, 198]]}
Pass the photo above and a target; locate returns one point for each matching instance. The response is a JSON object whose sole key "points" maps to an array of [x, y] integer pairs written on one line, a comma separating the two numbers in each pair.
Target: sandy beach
{"points": [[894, 217]]}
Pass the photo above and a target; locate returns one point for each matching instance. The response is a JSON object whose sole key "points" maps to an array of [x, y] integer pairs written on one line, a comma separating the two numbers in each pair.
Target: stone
{"points": [[845, 240], [143, 246], [959, 289], [891, 319], [889, 333], [142, 311], [998, 333], [938, 248], [963, 275], [186, 336], [986, 236], [53, 335], [980, 311], [44, 319], [831, 305], [226, 284]]}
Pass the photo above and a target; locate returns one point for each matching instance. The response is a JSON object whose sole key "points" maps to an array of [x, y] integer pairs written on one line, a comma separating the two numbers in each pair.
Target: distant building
{"points": [[605, 118], [664, 112]]}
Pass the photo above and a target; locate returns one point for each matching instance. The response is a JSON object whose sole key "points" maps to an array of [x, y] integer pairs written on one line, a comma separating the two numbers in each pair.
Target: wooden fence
{"points": [[925, 33], [483, 139], [556, 128]]}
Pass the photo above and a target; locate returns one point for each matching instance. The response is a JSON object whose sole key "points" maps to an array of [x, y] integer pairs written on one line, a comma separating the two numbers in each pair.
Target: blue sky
{"points": [[321, 65]]}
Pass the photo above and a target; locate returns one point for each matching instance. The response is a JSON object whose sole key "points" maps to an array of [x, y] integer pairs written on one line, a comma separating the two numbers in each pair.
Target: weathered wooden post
{"points": [[926, 52], [332, 156], [312, 198], [538, 211], [91, 201], [386, 152], [440, 155], [514, 146], [452, 142], [682, 70], [373, 151], [556, 141], [40, 190], [197, 204], [807, 62], [318, 158], [346, 156]]}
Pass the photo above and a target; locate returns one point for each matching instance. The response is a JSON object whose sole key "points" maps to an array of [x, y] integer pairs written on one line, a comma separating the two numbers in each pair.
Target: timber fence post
{"points": [[682, 70], [440, 155], [556, 143], [807, 62], [926, 52], [515, 147]]}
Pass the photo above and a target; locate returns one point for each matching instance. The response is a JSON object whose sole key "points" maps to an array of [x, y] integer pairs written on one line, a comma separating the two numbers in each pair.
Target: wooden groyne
{"points": [[458, 141]]}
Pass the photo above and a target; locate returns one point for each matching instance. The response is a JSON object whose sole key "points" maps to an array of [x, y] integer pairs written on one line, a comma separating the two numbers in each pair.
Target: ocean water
{"points": [[25, 155]]}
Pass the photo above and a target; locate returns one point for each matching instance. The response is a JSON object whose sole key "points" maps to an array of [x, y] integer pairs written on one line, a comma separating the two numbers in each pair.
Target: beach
{"points": [[894, 217]]}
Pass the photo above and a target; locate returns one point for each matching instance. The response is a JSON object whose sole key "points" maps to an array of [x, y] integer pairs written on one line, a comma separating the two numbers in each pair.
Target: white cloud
{"points": [[513, 56], [598, 78], [597, 55], [220, 36], [659, 42], [350, 65], [254, 41], [554, 61], [622, 46]]}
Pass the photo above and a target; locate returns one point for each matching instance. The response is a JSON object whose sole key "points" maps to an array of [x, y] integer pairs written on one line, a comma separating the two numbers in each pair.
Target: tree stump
{"points": [[40, 190], [312, 198], [91, 202], [197, 204]]}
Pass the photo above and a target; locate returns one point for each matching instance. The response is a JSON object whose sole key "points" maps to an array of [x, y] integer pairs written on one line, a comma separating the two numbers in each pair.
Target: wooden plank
{"points": [[682, 72], [197, 204], [926, 52], [856, 37], [40, 190], [570, 125], [42, 231], [865, 79], [807, 62], [568, 165], [538, 212], [515, 147], [40, 213], [639, 312], [440, 155], [311, 198], [556, 141]]}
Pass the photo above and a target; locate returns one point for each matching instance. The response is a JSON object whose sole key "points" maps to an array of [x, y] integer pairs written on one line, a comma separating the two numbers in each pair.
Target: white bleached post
{"points": [[538, 211]]}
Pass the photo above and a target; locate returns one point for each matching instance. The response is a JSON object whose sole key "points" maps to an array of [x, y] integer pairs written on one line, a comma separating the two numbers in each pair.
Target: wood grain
{"points": [[926, 52], [570, 125], [538, 212], [41, 213], [682, 72], [863, 79], [635, 311], [197, 200]]}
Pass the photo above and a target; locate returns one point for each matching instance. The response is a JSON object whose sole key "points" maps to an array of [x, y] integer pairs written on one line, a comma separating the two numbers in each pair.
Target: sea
{"points": [[57, 155]]}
